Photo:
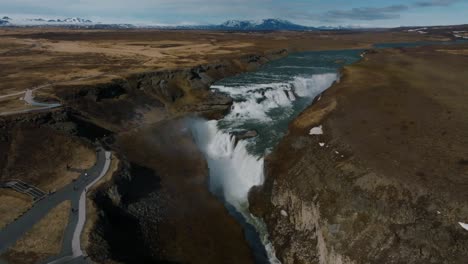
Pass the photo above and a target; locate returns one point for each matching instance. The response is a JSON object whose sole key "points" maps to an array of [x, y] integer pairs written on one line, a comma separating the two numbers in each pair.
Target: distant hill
{"points": [[265, 24], [269, 24]]}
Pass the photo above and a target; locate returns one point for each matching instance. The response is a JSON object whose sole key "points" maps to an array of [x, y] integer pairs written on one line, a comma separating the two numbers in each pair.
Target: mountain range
{"points": [[265, 24], [269, 24]]}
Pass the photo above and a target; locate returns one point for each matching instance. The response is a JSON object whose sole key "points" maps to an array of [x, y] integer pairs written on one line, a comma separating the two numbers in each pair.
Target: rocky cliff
{"points": [[386, 181], [150, 97]]}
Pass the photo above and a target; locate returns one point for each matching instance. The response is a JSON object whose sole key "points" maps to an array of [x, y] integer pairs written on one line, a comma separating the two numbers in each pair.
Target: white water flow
{"points": [[233, 170]]}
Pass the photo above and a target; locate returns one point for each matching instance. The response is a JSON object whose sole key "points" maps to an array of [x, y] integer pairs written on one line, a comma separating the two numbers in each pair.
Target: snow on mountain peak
{"points": [[263, 24], [42, 21]]}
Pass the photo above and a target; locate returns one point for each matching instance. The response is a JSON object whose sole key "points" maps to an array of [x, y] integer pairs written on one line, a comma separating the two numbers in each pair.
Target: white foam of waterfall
{"points": [[254, 102], [233, 171]]}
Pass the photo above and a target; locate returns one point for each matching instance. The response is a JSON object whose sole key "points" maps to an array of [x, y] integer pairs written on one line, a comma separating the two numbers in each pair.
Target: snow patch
{"points": [[284, 213], [465, 226], [321, 144], [316, 131]]}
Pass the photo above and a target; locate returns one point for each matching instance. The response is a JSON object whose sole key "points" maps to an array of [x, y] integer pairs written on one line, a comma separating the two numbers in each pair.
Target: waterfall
{"points": [[309, 87], [233, 170]]}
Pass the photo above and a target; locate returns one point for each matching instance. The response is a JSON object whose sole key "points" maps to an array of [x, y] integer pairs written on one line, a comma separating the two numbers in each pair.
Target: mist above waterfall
{"points": [[233, 171]]}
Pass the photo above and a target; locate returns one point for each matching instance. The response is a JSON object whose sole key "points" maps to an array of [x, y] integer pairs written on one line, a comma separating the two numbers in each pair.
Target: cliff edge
{"points": [[376, 170]]}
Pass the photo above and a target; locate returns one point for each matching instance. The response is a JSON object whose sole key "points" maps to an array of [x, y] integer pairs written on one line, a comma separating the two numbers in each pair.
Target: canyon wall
{"points": [[386, 181]]}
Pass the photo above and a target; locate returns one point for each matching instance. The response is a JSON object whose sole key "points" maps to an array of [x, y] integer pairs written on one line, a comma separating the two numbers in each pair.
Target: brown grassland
{"points": [[44, 239]]}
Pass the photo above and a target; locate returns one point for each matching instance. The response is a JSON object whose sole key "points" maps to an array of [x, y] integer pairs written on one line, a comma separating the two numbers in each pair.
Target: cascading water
{"points": [[264, 101], [233, 171]]}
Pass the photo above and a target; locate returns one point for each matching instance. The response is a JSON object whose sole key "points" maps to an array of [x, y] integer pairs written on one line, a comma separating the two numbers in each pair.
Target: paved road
{"points": [[76, 242], [29, 98], [23, 92], [76, 193], [12, 94]]}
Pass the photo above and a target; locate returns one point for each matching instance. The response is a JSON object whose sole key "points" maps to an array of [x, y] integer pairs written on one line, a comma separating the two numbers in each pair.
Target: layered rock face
{"points": [[387, 181], [150, 97]]}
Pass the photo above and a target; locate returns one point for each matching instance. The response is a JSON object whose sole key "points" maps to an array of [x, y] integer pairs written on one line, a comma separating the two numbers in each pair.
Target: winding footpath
{"points": [[76, 245], [76, 193], [29, 99]]}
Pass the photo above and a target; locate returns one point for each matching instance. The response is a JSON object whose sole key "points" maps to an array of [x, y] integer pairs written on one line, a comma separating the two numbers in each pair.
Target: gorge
{"points": [[242, 148], [265, 101]]}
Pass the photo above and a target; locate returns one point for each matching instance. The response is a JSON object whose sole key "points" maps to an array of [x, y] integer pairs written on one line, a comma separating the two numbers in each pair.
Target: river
{"points": [[265, 101]]}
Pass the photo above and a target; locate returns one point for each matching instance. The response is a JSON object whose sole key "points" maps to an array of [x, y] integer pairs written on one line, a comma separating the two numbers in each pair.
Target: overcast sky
{"points": [[308, 12]]}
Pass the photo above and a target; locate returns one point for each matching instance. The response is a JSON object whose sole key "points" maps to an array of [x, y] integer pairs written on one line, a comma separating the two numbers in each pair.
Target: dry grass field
{"points": [[44, 239], [12, 206], [32, 58], [40, 156], [36, 149]]}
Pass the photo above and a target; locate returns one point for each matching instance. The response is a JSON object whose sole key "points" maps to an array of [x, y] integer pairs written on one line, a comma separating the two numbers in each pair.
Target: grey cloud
{"points": [[366, 13], [435, 3]]}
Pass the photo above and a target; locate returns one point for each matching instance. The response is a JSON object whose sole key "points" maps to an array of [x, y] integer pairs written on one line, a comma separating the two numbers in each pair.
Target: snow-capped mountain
{"points": [[72, 20], [269, 24], [265, 24], [239, 24], [7, 21]]}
